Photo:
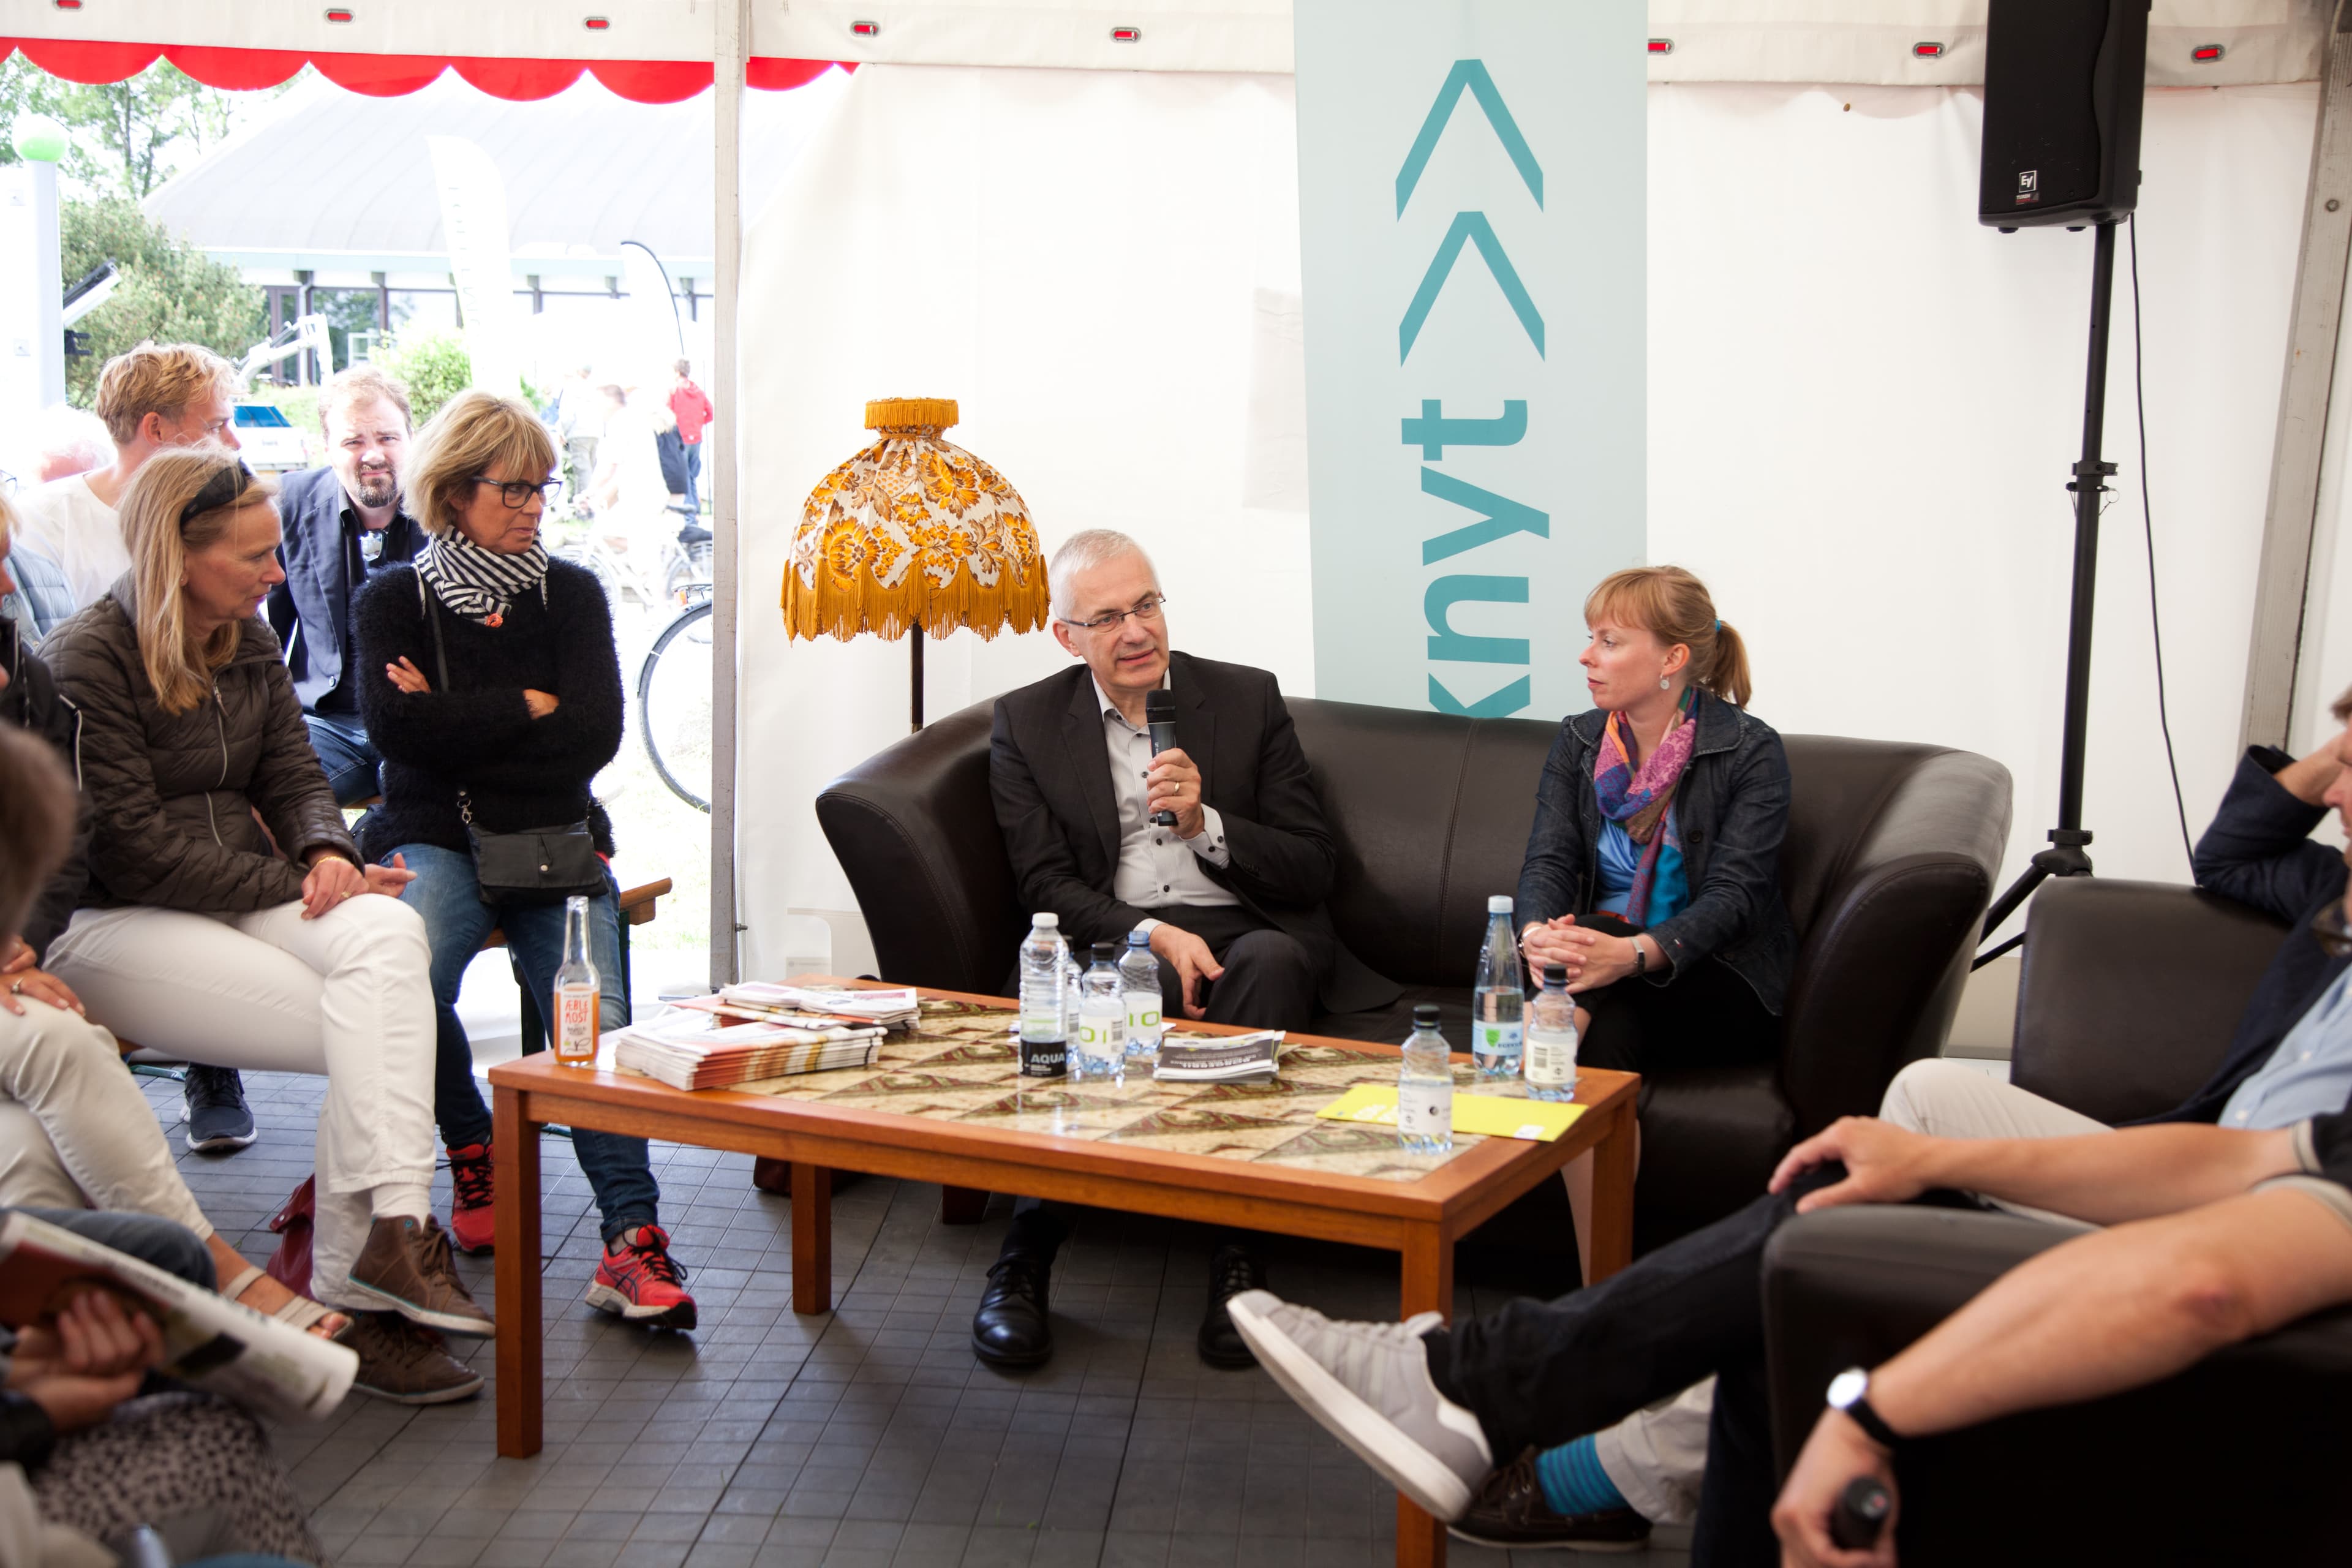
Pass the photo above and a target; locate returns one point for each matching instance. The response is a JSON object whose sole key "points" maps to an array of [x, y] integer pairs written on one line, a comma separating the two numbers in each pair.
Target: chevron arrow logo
{"points": [[1470, 77], [1469, 228]]}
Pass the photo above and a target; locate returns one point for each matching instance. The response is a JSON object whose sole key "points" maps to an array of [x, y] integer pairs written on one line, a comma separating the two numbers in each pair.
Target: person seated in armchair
{"points": [[2290, 1058], [1231, 895]]}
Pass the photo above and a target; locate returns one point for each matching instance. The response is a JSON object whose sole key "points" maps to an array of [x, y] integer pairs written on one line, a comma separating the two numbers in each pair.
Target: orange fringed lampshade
{"points": [[913, 532]]}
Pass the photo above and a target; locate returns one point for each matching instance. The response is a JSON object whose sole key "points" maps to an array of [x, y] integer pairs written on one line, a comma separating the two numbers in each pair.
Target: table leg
{"points": [[1612, 1197], [521, 1328], [961, 1206], [812, 1238], [1427, 1285]]}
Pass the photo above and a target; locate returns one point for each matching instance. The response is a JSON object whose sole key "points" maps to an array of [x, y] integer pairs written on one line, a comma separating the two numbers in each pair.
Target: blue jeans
{"points": [[349, 756], [171, 1248], [693, 480], [456, 921]]}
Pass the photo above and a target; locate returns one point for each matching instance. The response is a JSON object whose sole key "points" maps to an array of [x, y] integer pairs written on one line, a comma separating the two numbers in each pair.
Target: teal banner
{"points": [[1471, 183]]}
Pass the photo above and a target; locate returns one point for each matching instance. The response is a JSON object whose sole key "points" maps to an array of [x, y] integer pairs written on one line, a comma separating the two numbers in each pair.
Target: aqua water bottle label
{"points": [[1497, 1039]]}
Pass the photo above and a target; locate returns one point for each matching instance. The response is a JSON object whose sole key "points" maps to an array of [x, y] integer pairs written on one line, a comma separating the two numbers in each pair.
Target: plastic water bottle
{"points": [[1139, 977], [1044, 1031], [1497, 998], [1425, 1088], [1551, 1038], [1069, 990], [1101, 1051]]}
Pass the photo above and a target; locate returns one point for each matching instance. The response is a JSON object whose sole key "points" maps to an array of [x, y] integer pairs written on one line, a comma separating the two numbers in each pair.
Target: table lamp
{"points": [[913, 534]]}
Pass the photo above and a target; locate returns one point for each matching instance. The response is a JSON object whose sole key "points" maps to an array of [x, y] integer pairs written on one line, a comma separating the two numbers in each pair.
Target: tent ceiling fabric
{"points": [[659, 50]]}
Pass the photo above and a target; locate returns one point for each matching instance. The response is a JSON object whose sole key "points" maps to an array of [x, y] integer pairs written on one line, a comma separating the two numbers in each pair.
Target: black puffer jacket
{"points": [[175, 796], [478, 735], [31, 702]]}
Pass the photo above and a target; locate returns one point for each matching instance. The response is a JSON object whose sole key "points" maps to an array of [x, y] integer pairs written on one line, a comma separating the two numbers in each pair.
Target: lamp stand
{"points": [[915, 637]]}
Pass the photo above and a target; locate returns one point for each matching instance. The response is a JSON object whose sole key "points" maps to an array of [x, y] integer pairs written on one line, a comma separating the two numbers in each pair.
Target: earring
{"points": [[1665, 684]]}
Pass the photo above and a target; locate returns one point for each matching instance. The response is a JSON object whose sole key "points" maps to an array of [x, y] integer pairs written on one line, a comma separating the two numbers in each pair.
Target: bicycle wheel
{"points": [[674, 705]]}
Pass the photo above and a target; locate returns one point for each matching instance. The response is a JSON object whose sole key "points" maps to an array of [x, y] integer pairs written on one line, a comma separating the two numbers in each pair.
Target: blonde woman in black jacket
{"points": [[228, 919]]}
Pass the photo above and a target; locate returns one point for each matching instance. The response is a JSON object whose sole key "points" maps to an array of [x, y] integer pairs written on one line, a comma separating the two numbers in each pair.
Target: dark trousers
{"points": [[1269, 982], [1705, 1017], [170, 1247], [349, 756], [693, 480], [1538, 1373]]}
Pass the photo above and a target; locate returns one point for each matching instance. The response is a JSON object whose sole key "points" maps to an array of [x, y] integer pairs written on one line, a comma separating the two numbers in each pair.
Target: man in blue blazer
{"points": [[341, 522]]}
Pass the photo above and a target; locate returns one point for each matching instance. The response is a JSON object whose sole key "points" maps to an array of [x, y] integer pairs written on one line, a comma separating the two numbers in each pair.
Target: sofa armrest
{"points": [[2130, 992], [916, 834], [1853, 1286], [1886, 950]]}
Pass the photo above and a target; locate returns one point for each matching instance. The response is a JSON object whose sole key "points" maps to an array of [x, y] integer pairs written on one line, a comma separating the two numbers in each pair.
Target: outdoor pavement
{"points": [[866, 1437]]}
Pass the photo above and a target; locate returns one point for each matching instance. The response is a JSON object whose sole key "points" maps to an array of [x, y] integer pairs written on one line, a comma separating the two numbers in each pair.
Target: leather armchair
{"points": [[1887, 869], [2126, 1001]]}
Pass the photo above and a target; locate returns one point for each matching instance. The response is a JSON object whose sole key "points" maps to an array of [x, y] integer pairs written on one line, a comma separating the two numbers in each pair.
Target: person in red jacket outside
{"points": [[692, 406]]}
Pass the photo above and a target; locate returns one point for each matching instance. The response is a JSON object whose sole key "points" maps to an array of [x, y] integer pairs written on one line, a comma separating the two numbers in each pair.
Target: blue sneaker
{"points": [[213, 1101]]}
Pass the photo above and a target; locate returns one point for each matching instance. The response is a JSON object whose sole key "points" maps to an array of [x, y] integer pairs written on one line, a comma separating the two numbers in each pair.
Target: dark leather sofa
{"points": [[2126, 1001], [1887, 869]]}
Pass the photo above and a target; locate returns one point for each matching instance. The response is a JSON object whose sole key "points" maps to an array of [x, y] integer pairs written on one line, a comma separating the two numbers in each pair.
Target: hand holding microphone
{"points": [[1160, 717]]}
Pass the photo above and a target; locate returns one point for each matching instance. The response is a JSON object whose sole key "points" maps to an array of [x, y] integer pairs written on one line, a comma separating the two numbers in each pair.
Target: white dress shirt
{"points": [[1156, 869]]}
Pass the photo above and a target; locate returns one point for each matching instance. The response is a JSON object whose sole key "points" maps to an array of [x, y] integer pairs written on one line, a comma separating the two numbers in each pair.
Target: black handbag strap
{"points": [[441, 675]]}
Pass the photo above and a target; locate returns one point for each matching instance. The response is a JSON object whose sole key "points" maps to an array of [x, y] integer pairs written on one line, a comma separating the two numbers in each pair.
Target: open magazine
{"points": [[208, 1340]]}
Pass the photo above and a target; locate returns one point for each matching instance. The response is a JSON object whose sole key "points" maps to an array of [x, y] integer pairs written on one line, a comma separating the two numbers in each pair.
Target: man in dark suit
{"points": [[1231, 895], [341, 522]]}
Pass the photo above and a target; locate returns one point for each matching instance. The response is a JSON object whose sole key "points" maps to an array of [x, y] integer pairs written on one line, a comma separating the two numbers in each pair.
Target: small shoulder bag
{"points": [[531, 865]]}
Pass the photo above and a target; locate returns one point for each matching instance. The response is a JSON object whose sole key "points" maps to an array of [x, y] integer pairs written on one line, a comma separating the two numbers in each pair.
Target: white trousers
{"points": [[75, 1132], [348, 995], [1656, 1457]]}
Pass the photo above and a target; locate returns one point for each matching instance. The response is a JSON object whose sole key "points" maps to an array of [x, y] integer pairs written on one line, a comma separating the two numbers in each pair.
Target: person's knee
{"points": [[50, 1045], [1271, 953], [375, 931], [1910, 1099]]}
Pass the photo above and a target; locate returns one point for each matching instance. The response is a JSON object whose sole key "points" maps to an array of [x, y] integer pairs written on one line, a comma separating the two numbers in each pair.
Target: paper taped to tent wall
{"points": [[533, 49]]}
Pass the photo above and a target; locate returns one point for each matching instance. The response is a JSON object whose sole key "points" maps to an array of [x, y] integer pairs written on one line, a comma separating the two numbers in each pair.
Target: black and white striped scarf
{"points": [[476, 582]]}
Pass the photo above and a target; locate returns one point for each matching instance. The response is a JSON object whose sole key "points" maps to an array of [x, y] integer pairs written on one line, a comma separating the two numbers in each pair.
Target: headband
{"points": [[222, 489]]}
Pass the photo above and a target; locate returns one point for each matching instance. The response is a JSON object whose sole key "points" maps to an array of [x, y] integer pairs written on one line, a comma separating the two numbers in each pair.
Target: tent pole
{"points": [[2284, 574], [729, 48]]}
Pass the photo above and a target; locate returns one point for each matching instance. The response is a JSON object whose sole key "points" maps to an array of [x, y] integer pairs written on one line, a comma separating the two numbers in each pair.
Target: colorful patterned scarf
{"points": [[1638, 800], [481, 583]]}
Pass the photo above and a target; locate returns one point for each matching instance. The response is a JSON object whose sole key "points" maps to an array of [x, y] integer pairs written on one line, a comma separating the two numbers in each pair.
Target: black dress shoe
{"points": [[1011, 1328], [1510, 1512], [1232, 1271]]}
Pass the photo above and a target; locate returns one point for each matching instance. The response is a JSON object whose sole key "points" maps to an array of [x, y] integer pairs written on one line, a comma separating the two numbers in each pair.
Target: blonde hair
{"points": [[1675, 606], [473, 433], [362, 384], [160, 544], [158, 378]]}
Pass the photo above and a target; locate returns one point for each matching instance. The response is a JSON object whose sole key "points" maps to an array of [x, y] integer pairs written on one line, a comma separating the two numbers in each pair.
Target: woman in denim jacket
{"points": [[1653, 871]]}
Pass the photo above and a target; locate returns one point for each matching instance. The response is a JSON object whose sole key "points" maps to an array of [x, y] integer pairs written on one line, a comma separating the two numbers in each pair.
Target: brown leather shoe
{"points": [[404, 1363], [1510, 1511], [407, 1265]]}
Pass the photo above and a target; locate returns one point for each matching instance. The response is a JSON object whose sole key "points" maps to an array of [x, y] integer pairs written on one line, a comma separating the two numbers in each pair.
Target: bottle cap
{"points": [[1106, 951], [1424, 1015], [1555, 975], [1046, 921], [1138, 939], [1500, 904]]}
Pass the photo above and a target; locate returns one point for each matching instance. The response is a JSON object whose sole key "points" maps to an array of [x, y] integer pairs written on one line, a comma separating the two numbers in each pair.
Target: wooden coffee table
{"points": [[944, 1105]]}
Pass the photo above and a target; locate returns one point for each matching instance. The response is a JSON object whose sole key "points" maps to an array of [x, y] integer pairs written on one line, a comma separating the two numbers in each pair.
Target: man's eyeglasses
{"points": [[1147, 611], [517, 493]]}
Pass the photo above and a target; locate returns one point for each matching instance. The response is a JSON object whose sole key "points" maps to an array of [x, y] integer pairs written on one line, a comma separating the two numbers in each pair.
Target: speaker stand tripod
{"points": [[2066, 855]]}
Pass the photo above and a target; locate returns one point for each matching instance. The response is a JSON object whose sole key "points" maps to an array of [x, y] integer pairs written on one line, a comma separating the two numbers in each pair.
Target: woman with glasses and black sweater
{"points": [[490, 685]]}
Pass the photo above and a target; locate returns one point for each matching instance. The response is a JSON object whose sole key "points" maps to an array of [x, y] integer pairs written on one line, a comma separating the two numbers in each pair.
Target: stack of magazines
{"points": [[686, 1050], [811, 1006], [1218, 1059]]}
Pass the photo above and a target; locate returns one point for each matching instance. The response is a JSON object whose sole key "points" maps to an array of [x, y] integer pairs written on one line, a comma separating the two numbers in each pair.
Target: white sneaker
{"points": [[1369, 1385]]}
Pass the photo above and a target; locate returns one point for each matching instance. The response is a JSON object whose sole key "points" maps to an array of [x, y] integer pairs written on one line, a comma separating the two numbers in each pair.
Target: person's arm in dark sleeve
{"points": [[1044, 870], [442, 731], [591, 713], [1743, 870], [1555, 847], [1285, 854], [2258, 849]]}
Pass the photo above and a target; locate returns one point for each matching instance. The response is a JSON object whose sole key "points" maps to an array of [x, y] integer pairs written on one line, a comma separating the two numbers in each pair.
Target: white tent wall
{"points": [[1862, 410], [1103, 268]]}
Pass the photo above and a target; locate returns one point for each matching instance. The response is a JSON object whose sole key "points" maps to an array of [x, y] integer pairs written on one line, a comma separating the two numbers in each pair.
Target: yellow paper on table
{"points": [[1488, 1115]]}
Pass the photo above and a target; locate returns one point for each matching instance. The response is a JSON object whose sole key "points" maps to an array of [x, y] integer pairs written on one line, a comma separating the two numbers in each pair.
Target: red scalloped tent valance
{"points": [[388, 76]]}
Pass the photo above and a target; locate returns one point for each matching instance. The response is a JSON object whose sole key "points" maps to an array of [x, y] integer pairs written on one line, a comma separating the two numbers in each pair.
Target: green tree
{"points": [[435, 366], [165, 289], [126, 136]]}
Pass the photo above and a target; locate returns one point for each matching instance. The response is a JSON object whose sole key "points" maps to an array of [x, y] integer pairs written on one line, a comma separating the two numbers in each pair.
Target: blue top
{"points": [[1620, 858], [2310, 1073]]}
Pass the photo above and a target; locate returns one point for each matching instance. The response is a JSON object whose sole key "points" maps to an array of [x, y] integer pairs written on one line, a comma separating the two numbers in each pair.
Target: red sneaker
{"points": [[643, 1282], [472, 1225]]}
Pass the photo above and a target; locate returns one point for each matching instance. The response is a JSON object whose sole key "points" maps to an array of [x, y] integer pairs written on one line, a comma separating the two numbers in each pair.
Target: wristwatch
{"points": [[1848, 1391], [1641, 959]]}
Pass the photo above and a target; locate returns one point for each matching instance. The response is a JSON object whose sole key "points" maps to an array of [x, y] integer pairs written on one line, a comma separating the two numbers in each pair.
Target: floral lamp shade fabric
{"points": [[913, 532]]}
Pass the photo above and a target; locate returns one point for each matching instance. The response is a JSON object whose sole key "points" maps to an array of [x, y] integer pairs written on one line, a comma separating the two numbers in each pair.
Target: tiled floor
{"points": [[864, 1439]]}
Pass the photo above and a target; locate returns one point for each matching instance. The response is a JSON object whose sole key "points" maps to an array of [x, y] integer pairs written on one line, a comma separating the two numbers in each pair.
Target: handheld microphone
{"points": [[1160, 718], [1860, 1515]]}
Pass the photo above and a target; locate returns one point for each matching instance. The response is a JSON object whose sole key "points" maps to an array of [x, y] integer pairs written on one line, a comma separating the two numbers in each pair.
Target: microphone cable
{"points": [[2147, 525]]}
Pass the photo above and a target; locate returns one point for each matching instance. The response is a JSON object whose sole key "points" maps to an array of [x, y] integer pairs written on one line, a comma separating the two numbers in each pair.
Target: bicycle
{"points": [[674, 700]]}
